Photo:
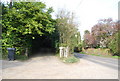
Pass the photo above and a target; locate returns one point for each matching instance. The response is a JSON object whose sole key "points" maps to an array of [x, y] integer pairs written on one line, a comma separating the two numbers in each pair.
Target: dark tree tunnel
{"points": [[42, 45]]}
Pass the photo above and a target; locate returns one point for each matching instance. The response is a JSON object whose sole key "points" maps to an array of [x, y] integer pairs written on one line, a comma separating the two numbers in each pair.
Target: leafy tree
{"points": [[106, 33], [67, 29], [102, 30], [22, 22], [114, 40], [89, 40], [86, 32], [114, 43]]}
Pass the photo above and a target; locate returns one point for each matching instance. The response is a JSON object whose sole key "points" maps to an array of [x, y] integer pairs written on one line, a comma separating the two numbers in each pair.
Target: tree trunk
{"points": [[10, 4]]}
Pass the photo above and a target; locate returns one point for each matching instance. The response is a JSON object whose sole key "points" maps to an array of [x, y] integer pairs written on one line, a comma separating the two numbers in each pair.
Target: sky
{"points": [[87, 12]]}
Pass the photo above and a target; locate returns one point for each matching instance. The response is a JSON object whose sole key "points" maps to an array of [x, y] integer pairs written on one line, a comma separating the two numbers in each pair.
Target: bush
{"points": [[78, 48], [21, 57], [63, 45], [99, 51], [113, 44], [70, 59]]}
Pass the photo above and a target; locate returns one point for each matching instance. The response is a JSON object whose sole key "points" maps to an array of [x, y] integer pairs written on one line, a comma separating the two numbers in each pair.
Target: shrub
{"points": [[63, 45], [70, 59], [98, 51], [78, 48], [21, 57], [113, 44]]}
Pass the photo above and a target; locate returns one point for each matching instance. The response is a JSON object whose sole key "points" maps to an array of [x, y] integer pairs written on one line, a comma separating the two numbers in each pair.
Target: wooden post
{"points": [[26, 52]]}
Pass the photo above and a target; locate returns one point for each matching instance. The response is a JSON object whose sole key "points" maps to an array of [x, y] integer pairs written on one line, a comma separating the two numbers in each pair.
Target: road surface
{"points": [[108, 62], [50, 67]]}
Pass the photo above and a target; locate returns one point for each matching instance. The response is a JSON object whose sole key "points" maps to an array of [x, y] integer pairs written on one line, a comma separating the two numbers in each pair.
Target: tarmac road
{"points": [[107, 62]]}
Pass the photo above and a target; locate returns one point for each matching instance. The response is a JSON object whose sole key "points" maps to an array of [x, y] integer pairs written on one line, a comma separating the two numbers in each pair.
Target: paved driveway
{"points": [[50, 67]]}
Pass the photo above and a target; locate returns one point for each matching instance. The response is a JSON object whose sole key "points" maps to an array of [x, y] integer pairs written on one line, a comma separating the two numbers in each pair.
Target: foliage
{"points": [[105, 34], [82, 52], [97, 52], [101, 55], [89, 40], [102, 30], [63, 45], [70, 59], [0, 45], [67, 29], [78, 48], [118, 57], [21, 57], [86, 32], [113, 43], [23, 22]]}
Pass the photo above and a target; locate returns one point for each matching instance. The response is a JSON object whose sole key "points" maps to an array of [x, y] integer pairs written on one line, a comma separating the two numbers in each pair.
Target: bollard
{"points": [[61, 51]]}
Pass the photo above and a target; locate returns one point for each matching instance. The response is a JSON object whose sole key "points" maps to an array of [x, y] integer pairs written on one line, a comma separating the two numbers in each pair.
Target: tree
{"points": [[89, 40], [114, 40], [104, 34], [114, 43], [86, 32], [67, 29], [103, 29], [23, 21]]}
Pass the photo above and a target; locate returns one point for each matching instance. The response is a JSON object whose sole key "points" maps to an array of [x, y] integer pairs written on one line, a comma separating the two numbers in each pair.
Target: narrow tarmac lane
{"points": [[108, 62]]}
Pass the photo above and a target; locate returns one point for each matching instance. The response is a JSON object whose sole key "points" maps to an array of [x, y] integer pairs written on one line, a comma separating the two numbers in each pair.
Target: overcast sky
{"points": [[88, 12]]}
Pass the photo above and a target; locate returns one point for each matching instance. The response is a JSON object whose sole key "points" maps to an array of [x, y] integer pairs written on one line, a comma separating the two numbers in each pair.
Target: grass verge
{"points": [[118, 57], [69, 60], [21, 57], [107, 56], [81, 52], [17, 57]]}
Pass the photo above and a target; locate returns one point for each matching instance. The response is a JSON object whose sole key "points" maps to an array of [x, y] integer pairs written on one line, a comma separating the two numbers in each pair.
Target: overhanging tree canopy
{"points": [[23, 21]]}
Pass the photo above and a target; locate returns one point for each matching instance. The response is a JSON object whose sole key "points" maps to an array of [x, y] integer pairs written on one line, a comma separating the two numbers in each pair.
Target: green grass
{"points": [[101, 55], [57, 54], [108, 56], [17, 57], [118, 57], [4, 57], [70, 59], [21, 57], [81, 52]]}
